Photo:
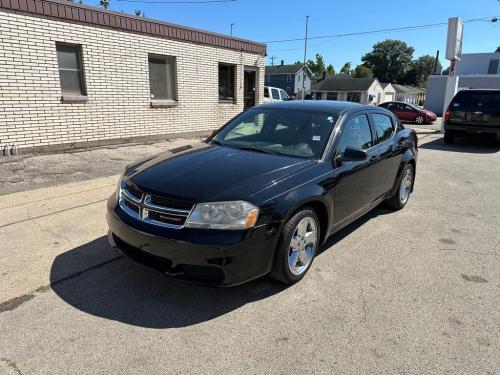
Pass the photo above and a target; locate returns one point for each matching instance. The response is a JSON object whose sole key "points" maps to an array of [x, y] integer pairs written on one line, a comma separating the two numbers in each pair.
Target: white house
{"points": [[291, 78], [361, 90]]}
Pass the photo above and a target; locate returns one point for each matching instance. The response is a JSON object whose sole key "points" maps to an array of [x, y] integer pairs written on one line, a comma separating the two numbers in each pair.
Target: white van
{"points": [[274, 94]]}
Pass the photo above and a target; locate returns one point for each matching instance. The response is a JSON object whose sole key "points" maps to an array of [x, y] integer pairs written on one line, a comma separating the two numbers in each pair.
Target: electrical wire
{"points": [[404, 28]]}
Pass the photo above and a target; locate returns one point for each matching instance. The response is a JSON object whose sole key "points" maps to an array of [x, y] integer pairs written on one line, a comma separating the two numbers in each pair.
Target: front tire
{"points": [[404, 189], [297, 247]]}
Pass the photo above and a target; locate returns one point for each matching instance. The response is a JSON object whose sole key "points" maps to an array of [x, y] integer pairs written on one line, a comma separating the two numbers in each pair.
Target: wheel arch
{"points": [[320, 206], [408, 158]]}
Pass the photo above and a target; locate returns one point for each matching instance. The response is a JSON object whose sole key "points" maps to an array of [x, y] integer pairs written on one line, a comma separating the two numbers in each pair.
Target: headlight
{"points": [[119, 186], [223, 215]]}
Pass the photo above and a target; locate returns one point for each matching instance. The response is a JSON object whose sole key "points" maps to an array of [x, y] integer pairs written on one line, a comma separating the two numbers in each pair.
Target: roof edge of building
{"points": [[80, 13]]}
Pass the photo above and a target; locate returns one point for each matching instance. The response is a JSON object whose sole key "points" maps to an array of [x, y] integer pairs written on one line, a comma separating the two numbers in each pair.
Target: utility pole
{"points": [[304, 66], [436, 62], [272, 59], [232, 28]]}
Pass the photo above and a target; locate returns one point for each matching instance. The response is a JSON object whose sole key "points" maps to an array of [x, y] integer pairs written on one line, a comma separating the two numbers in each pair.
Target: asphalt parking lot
{"points": [[411, 292]]}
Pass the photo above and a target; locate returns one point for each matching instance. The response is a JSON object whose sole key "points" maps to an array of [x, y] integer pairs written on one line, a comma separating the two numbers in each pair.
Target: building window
{"points": [[69, 60], [354, 97], [289, 78], [493, 67], [162, 77], [298, 77], [226, 82], [268, 77], [331, 96]]}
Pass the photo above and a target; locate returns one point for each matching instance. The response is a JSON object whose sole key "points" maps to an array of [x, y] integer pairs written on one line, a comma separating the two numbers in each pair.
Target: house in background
{"points": [[389, 92], [289, 78], [474, 71], [408, 94], [361, 90]]}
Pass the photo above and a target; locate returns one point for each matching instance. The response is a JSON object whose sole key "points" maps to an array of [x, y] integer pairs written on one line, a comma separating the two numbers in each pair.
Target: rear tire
{"points": [[405, 186], [419, 120], [297, 247], [449, 137]]}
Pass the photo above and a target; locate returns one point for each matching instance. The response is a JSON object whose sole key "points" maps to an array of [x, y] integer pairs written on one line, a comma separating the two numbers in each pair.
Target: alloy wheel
{"points": [[302, 246], [405, 186], [419, 120]]}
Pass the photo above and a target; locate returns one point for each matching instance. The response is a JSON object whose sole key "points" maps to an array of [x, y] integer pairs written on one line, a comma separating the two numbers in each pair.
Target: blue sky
{"points": [[279, 19]]}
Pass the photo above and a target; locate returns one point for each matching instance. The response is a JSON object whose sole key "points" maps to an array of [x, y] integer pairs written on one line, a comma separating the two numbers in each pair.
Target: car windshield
{"points": [[280, 131]]}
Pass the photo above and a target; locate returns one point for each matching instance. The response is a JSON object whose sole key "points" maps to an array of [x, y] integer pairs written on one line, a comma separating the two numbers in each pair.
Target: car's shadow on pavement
{"points": [[346, 231], [124, 291], [115, 288], [464, 144]]}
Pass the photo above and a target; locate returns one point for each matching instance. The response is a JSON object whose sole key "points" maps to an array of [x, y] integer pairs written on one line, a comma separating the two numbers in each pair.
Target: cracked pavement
{"points": [[411, 292], [28, 172]]}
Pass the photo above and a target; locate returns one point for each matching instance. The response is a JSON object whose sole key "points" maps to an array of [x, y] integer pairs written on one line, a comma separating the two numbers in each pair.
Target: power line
{"points": [[404, 28], [178, 2]]}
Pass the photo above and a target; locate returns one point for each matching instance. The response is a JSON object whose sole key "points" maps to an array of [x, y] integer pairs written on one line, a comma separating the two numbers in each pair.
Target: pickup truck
{"points": [[274, 94]]}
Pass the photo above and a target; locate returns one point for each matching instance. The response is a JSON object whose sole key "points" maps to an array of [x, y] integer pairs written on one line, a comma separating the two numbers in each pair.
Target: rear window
{"points": [[476, 100]]}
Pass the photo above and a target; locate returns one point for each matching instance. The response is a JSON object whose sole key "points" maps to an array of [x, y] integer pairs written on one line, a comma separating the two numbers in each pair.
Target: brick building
{"points": [[73, 75]]}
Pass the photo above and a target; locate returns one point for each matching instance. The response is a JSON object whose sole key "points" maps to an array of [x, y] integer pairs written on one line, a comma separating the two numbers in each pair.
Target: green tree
{"points": [[362, 71], [330, 70], [423, 67], [446, 71], [318, 66], [346, 69], [389, 60], [498, 49]]}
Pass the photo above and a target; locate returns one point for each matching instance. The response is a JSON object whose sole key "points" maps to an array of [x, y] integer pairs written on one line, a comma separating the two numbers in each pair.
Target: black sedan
{"points": [[261, 194]]}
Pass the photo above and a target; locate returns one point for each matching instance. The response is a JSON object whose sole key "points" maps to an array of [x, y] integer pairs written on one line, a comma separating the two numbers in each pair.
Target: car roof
{"points": [[332, 106], [496, 91]]}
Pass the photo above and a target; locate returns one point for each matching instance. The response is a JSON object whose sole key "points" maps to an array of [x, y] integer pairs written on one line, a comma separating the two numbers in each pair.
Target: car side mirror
{"points": [[351, 154]]}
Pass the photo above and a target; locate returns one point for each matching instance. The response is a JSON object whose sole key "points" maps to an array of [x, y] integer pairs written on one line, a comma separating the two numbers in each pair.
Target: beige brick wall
{"points": [[117, 81]]}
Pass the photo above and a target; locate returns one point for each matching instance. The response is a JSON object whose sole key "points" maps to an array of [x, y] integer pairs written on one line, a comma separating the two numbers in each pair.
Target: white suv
{"points": [[274, 94]]}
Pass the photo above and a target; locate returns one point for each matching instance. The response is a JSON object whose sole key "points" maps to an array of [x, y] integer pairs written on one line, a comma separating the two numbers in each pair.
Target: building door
{"points": [[249, 88]]}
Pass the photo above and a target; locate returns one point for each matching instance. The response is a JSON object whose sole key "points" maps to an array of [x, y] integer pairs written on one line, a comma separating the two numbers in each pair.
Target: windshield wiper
{"points": [[251, 148]]}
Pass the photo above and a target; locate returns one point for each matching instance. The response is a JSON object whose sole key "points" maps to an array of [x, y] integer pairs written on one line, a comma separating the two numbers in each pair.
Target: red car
{"points": [[410, 112]]}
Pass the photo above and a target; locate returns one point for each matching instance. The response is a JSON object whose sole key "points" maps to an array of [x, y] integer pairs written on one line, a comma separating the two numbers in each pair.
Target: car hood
{"points": [[207, 173]]}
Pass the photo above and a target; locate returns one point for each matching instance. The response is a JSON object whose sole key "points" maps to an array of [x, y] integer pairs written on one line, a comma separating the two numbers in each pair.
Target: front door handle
{"points": [[375, 158]]}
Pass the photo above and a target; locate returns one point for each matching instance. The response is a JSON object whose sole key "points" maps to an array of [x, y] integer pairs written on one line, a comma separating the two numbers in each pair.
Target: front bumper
{"points": [[208, 257]]}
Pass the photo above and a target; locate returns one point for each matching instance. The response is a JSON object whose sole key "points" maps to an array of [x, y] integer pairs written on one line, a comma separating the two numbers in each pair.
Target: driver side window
{"points": [[356, 133]]}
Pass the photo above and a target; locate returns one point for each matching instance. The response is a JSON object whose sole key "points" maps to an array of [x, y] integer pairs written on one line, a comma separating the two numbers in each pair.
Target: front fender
{"points": [[290, 202]]}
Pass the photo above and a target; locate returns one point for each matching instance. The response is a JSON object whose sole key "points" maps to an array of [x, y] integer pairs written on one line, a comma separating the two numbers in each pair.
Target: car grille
{"points": [[153, 209]]}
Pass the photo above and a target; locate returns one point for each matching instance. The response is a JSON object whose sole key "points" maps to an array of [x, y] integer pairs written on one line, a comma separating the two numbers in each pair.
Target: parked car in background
{"points": [[410, 112], [263, 193], [274, 94], [473, 112]]}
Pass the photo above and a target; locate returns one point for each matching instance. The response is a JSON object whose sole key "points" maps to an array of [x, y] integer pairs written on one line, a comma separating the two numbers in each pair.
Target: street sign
{"points": [[454, 39]]}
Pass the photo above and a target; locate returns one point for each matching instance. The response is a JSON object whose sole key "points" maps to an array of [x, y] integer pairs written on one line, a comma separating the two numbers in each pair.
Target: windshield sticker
{"points": [[316, 138], [330, 118]]}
